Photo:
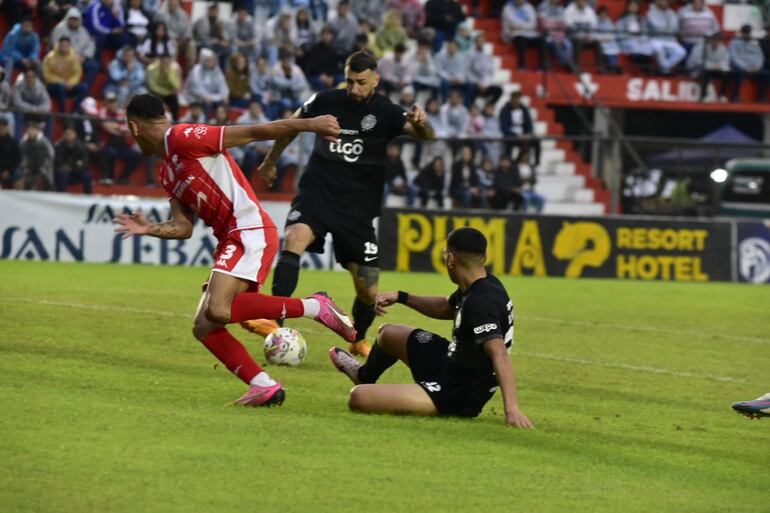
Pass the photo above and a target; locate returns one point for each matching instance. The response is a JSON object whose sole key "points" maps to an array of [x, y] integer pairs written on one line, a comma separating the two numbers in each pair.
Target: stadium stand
{"points": [[287, 31]]}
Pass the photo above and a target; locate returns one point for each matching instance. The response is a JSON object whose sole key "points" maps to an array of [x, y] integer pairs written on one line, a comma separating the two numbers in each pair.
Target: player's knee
{"points": [[201, 329], [383, 331], [357, 398], [218, 312], [296, 241]]}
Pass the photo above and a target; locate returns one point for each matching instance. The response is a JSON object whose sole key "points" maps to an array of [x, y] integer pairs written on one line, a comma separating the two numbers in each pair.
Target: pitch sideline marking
{"points": [[651, 329], [639, 368], [544, 356]]}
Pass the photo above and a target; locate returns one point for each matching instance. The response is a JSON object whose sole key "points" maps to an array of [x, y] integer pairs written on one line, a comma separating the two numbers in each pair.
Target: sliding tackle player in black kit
{"points": [[341, 190]]}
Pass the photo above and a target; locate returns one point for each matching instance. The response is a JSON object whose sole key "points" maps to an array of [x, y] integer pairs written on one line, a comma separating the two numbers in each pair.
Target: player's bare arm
{"points": [[435, 307], [267, 169], [417, 124], [498, 353], [238, 135], [180, 226]]}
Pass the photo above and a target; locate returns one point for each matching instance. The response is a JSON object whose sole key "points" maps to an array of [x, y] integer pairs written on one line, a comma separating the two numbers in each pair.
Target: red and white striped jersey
{"points": [[199, 172]]}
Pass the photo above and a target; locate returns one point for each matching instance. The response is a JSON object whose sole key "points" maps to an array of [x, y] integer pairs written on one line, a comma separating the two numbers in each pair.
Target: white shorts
{"points": [[247, 254]]}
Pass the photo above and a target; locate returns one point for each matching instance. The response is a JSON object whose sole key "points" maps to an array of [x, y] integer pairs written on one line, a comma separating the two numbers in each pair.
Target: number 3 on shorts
{"points": [[227, 255]]}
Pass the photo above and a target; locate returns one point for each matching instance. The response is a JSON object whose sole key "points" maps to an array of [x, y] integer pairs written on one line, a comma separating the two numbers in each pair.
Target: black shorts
{"points": [[427, 354], [353, 240]]}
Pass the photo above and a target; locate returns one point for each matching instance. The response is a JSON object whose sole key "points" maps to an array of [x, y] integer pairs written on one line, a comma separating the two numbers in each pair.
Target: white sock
{"points": [[312, 308], [263, 380]]}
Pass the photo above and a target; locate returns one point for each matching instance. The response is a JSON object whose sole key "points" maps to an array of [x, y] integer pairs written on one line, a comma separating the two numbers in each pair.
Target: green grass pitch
{"points": [[107, 404]]}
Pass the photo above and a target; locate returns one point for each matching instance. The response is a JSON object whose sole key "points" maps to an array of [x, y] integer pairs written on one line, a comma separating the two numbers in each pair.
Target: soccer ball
{"points": [[285, 346]]}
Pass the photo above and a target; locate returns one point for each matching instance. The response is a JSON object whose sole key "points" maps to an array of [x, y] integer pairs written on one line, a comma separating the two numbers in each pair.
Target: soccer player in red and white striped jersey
{"points": [[202, 179]]}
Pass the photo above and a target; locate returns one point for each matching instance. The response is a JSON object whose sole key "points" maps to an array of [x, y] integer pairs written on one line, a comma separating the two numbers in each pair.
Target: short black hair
{"points": [[361, 61], [145, 107], [64, 38], [467, 240]]}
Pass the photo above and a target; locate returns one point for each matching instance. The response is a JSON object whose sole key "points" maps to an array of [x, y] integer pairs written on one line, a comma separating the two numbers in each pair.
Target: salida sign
{"points": [[555, 246], [620, 91]]}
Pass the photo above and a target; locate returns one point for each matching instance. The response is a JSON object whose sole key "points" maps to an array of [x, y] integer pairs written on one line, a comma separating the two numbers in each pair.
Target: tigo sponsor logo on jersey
{"points": [[350, 151], [484, 328]]}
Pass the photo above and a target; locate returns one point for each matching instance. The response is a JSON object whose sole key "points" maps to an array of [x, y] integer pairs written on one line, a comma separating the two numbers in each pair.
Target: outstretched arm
{"points": [[238, 135], [436, 307], [267, 168], [417, 124], [497, 351], [180, 226]]}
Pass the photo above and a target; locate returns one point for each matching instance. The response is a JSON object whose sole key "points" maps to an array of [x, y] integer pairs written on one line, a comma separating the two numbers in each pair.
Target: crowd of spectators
{"points": [[687, 41], [255, 60], [248, 61]]}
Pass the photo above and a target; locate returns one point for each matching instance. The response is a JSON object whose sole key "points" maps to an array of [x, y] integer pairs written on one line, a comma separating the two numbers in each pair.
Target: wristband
{"points": [[403, 297]]}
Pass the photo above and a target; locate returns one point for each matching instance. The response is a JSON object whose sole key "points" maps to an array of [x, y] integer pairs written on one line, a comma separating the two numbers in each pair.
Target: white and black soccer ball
{"points": [[285, 346]]}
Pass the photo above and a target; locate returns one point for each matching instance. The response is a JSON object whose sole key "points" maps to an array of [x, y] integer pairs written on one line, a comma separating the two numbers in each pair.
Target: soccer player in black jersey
{"points": [[454, 377], [341, 190]]}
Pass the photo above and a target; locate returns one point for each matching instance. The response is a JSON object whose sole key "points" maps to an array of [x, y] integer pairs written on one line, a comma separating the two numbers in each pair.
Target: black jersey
{"points": [[350, 174], [482, 313]]}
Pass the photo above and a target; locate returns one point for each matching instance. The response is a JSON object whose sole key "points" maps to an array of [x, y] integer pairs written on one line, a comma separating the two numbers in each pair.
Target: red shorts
{"points": [[247, 254]]}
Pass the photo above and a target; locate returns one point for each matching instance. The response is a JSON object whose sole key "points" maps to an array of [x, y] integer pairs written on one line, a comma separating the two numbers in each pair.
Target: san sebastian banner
{"points": [[78, 228], [601, 247]]}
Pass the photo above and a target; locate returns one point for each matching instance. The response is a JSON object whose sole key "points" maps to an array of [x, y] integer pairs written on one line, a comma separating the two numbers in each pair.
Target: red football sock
{"points": [[252, 305], [232, 353]]}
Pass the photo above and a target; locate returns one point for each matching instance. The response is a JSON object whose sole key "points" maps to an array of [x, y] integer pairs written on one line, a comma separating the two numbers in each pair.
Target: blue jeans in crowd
{"points": [[65, 178], [59, 94]]}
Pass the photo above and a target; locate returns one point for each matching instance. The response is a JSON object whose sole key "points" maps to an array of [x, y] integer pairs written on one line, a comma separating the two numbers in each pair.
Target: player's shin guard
{"points": [[376, 363], [363, 317], [286, 275], [229, 351]]}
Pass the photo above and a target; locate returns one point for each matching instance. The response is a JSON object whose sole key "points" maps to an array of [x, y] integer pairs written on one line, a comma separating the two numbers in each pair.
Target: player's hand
{"points": [[326, 126], [416, 115], [516, 418], [268, 173], [132, 224], [384, 300]]}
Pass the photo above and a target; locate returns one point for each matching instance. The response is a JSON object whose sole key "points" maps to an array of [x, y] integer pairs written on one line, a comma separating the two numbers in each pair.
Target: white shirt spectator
{"points": [[292, 85], [746, 54], [709, 55], [451, 64], [423, 68], [206, 83], [519, 19], [395, 69], [455, 116], [176, 19], [580, 18], [481, 67], [697, 21]]}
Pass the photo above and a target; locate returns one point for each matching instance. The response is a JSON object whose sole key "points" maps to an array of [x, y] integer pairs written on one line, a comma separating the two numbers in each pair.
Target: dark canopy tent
{"points": [[715, 154]]}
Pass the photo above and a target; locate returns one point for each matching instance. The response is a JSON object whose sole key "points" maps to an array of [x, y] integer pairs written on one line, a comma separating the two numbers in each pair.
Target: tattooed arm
{"points": [[180, 226]]}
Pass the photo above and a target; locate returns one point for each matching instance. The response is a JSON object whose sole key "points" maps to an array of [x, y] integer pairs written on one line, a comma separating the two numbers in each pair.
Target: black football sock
{"points": [[285, 276], [376, 363], [363, 317]]}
